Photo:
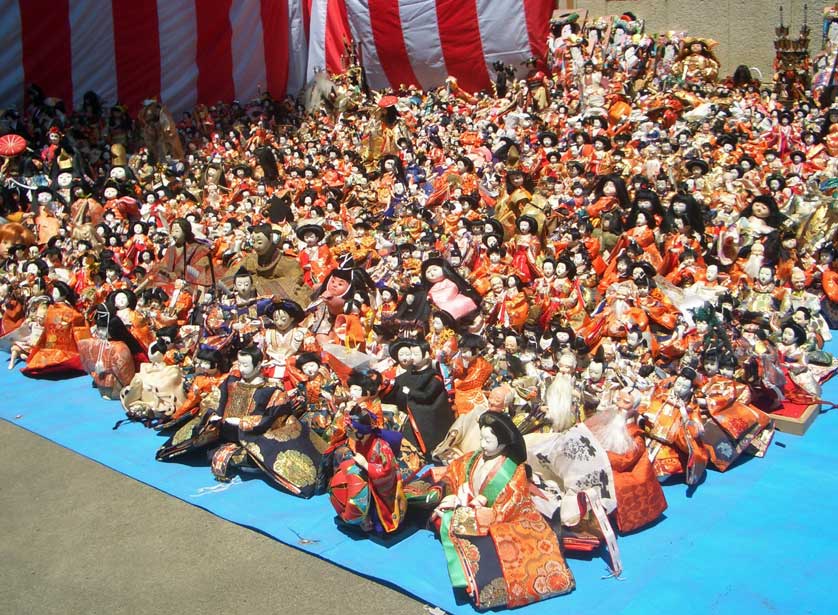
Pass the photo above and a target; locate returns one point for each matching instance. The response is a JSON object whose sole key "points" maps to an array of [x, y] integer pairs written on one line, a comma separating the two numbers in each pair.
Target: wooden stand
{"points": [[796, 425]]}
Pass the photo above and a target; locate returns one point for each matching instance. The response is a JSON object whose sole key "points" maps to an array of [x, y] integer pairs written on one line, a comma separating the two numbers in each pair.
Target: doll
{"points": [[57, 351], [366, 489], [447, 290], [487, 492]]}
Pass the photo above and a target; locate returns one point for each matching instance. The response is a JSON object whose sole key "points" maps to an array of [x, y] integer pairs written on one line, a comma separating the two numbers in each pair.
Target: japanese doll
{"points": [[487, 519]]}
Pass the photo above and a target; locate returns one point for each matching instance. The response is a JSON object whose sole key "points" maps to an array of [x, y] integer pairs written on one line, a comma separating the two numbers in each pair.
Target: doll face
{"points": [[244, 284], [120, 301], [712, 273], [489, 442], [641, 219], [405, 356], [800, 318], [567, 365], [64, 179], [682, 387], [524, 227], [609, 189], [355, 392], [798, 280], [336, 286], [548, 268], [434, 274], [438, 324], [282, 319], [261, 243], [248, 369], [765, 276], [788, 336], [118, 173]]}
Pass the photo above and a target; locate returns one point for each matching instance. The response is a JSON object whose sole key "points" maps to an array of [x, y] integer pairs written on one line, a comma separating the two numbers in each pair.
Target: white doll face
{"points": [[434, 274], [524, 226], [247, 368], [765, 275], [405, 356], [243, 284], [609, 189], [120, 301], [282, 319], [438, 324], [310, 369], [489, 442], [118, 173], [712, 273], [64, 179], [56, 295], [760, 210], [110, 193], [788, 336], [355, 392], [44, 198], [548, 268], [682, 387]]}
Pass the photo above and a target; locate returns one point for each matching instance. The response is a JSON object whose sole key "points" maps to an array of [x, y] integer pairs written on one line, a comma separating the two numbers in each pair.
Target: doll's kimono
{"points": [[513, 559], [57, 350]]}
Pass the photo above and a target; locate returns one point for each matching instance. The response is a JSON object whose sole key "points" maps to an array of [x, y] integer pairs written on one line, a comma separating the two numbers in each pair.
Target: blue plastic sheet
{"points": [[758, 539]]}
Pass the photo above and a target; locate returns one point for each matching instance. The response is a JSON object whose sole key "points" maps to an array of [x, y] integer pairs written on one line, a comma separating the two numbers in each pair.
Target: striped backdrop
{"points": [[190, 51]]}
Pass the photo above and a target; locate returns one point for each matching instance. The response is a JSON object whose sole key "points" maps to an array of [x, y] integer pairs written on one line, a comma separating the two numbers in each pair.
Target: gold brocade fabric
{"points": [[239, 400]]}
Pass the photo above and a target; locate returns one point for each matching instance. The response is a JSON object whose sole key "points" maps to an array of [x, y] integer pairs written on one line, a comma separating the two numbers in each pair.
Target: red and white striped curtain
{"points": [[188, 51]]}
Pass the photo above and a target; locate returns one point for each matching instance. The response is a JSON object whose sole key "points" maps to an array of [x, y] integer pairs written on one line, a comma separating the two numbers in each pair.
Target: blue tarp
{"points": [[758, 539]]}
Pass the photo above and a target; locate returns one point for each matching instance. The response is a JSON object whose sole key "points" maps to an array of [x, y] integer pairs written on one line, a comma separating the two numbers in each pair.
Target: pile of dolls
{"points": [[515, 312]]}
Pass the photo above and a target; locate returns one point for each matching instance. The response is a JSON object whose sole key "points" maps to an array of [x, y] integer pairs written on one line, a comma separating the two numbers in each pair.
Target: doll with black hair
{"points": [[111, 356], [366, 488], [447, 290], [487, 490]]}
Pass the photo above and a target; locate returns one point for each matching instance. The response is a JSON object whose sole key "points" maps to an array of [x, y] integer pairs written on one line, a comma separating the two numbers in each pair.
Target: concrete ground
{"points": [[77, 537]]}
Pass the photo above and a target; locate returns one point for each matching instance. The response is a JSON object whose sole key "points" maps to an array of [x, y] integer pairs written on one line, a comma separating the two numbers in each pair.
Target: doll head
{"points": [[499, 435], [250, 362], [363, 383], [285, 314]]}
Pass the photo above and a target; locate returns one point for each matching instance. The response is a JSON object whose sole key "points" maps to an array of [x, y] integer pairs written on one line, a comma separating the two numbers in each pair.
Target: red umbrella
{"points": [[388, 101], [12, 145]]}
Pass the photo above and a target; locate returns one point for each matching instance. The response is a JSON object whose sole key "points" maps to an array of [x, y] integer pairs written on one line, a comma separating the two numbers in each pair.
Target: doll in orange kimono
{"points": [[673, 426], [111, 355], [640, 499], [471, 372], [488, 517], [732, 424], [57, 350]]}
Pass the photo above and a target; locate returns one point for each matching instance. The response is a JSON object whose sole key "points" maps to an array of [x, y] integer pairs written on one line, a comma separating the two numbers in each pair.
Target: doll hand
{"points": [[233, 420], [406, 390], [449, 502], [215, 418], [480, 501]]}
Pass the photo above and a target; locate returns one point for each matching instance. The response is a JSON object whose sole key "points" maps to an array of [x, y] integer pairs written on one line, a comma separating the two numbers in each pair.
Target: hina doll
{"points": [[202, 391], [315, 385], [696, 64], [443, 341], [487, 516], [447, 290], [254, 423], [419, 392], [471, 372], [316, 259], [57, 351], [156, 390], [111, 355], [525, 248], [513, 306], [732, 423], [24, 337], [674, 425], [275, 272], [366, 489], [640, 499], [282, 337]]}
